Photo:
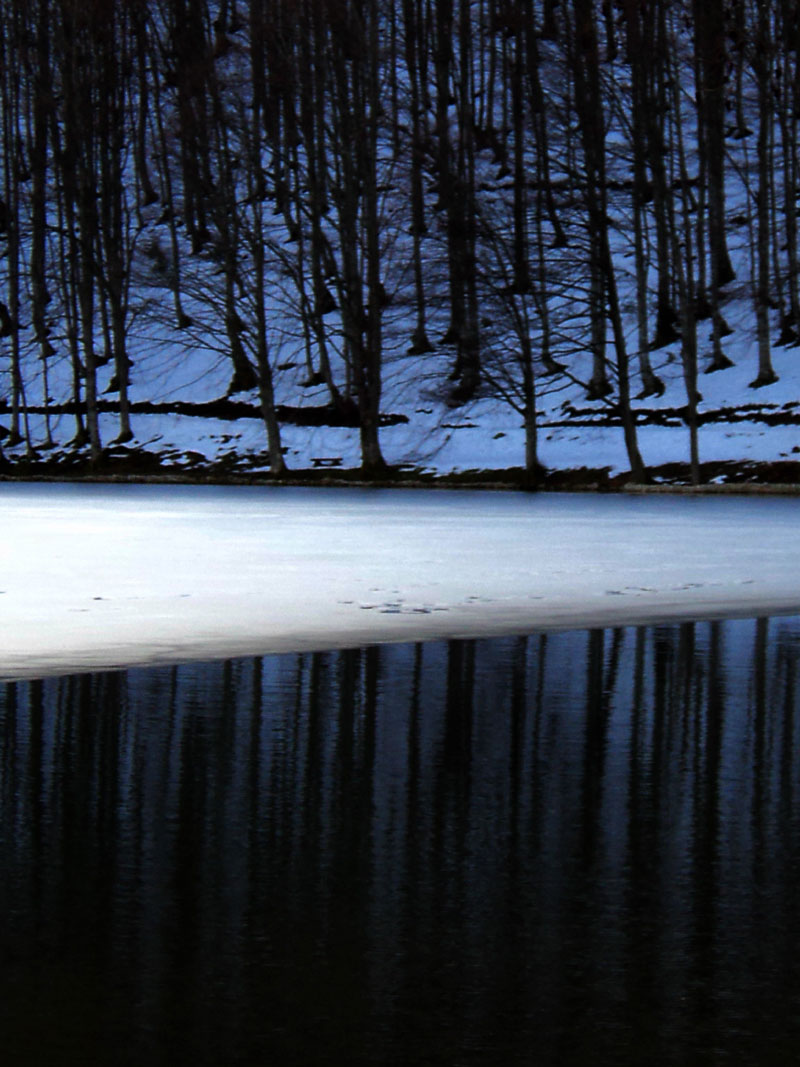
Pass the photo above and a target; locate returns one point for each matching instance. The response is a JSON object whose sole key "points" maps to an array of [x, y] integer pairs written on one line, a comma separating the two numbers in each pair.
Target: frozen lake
{"points": [[97, 576]]}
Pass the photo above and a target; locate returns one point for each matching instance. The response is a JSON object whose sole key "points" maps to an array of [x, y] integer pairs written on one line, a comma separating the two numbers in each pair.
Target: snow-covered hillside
{"points": [[744, 426], [360, 264]]}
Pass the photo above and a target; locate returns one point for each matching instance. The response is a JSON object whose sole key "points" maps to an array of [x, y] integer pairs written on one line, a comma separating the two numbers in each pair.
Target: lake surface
{"points": [[577, 847], [96, 577]]}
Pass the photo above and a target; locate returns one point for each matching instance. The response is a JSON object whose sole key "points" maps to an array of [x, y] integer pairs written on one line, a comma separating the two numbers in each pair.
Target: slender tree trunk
{"points": [[371, 455], [115, 240], [465, 214], [68, 276], [585, 65], [79, 172], [655, 44], [312, 106], [139, 15], [711, 60], [522, 278], [420, 344], [788, 32], [710, 43], [170, 214], [684, 259], [10, 308], [266, 389], [354, 55], [40, 297], [532, 466], [763, 68], [255, 237], [445, 179], [651, 383], [540, 124]]}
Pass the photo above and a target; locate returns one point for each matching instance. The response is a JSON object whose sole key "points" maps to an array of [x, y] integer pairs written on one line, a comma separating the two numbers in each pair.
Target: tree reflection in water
{"points": [[572, 847]]}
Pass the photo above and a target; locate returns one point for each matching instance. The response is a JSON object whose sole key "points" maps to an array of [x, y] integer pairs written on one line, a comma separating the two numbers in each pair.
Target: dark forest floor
{"points": [[120, 464]]}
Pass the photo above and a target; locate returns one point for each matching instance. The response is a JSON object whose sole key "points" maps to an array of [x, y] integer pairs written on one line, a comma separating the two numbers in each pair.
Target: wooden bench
{"points": [[326, 461]]}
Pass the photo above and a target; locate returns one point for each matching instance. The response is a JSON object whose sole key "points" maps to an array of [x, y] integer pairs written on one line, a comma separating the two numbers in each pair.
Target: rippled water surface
{"points": [[572, 848]]}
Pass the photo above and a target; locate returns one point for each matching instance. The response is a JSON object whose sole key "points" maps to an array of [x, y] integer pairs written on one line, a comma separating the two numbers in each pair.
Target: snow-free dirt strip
{"points": [[95, 577]]}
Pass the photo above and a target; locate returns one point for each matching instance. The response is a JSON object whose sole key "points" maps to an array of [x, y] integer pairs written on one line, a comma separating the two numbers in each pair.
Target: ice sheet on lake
{"points": [[99, 576]]}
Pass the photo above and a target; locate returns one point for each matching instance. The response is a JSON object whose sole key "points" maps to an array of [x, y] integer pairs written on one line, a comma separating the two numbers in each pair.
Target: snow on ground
{"points": [[485, 434], [488, 436], [95, 577]]}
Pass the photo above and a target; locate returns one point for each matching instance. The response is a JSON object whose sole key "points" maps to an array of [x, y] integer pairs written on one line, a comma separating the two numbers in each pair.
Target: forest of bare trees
{"points": [[471, 193]]}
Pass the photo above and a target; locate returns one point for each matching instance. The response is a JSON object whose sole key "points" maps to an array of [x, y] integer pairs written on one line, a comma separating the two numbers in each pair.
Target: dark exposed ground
{"points": [[122, 464]]}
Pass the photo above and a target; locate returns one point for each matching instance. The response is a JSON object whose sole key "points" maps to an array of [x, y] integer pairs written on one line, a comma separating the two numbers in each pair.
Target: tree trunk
{"points": [[372, 460], [684, 259], [255, 238], [540, 119], [40, 297], [420, 343], [711, 60], [139, 15], [651, 383], [763, 69], [588, 100], [114, 244]]}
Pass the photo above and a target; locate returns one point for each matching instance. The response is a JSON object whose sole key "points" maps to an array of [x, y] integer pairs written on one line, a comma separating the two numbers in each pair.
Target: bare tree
{"points": [[588, 101], [710, 54], [763, 67]]}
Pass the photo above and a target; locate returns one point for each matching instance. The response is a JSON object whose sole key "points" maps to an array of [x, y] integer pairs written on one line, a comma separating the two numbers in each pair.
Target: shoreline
{"points": [[780, 477], [142, 655]]}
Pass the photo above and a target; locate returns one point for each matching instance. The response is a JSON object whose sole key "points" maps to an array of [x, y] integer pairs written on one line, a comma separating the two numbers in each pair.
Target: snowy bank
{"points": [[96, 577]]}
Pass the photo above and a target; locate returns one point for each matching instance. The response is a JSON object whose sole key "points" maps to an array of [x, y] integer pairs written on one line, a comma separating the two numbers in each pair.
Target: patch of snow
{"points": [[95, 577]]}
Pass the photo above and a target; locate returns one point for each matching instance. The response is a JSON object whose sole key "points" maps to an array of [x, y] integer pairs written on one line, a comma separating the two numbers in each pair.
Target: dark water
{"points": [[575, 848]]}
